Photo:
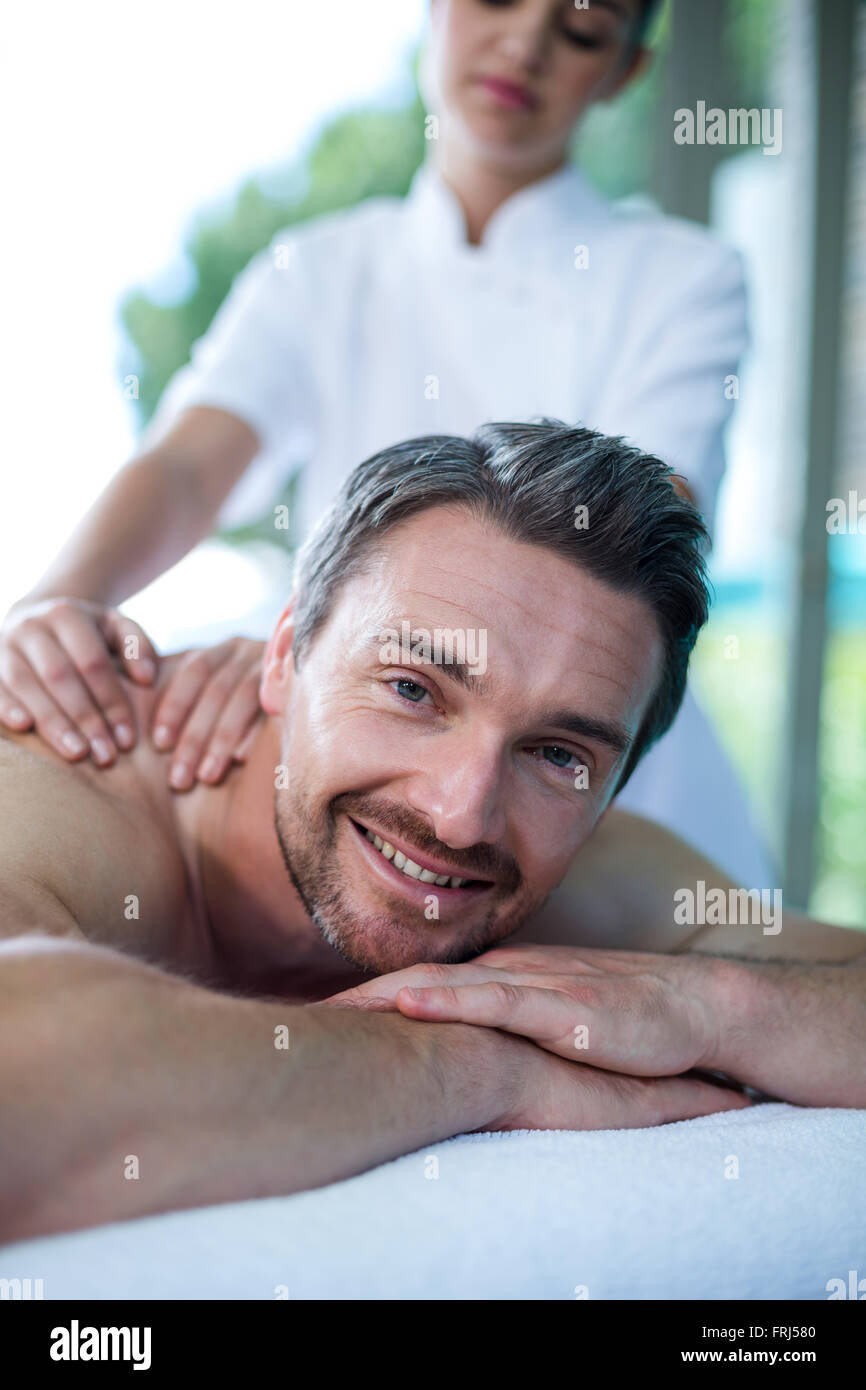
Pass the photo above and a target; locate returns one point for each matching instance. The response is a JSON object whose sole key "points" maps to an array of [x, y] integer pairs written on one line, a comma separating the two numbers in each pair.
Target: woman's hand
{"points": [[208, 711], [627, 1011], [60, 664]]}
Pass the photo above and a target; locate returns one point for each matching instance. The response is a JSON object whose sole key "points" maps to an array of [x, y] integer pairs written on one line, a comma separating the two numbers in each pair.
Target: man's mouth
{"points": [[422, 871]]}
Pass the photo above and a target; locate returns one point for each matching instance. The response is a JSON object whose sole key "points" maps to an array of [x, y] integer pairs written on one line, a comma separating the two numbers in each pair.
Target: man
{"points": [[406, 805]]}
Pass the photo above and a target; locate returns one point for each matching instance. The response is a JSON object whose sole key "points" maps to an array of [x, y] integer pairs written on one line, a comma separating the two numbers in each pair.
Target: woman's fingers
{"points": [[132, 645], [201, 727], [13, 714], [84, 640], [244, 748], [233, 728], [51, 723], [63, 708], [57, 666], [182, 694], [209, 711]]}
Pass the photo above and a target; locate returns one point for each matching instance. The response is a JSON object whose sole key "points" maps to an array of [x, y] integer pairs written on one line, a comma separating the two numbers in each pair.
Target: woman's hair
{"points": [[646, 11], [596, 500]]}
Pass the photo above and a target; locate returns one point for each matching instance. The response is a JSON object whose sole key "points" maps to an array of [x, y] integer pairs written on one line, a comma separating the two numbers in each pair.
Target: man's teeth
{"points": [[410, 868]]}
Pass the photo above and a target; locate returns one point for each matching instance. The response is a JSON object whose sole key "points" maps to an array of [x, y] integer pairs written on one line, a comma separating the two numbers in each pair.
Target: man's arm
{"points": [[127, 1091], [627, 890]]}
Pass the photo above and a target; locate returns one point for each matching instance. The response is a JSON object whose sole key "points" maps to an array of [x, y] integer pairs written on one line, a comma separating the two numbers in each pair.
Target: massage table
{"points": [[763, 1203]]}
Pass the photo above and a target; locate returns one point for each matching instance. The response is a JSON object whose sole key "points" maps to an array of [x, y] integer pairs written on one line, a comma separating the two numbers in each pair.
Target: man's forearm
{"points": [[126, 1091], [795, 1031]]}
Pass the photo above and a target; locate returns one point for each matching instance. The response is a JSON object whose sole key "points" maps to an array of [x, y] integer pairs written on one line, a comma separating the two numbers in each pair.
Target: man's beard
{"points": [[378, 943]]}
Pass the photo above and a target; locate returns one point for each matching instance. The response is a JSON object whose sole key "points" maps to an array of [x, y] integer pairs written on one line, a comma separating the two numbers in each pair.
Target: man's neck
{"points": [[261, 933], [482, 187]]}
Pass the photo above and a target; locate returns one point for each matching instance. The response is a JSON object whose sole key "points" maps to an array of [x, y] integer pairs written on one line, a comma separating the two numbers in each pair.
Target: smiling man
{"points": [[495, 779], [202, 997]]}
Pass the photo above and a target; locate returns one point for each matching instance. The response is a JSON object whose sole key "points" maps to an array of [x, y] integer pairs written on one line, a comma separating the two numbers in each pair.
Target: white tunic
{"points": [[374, 324]]}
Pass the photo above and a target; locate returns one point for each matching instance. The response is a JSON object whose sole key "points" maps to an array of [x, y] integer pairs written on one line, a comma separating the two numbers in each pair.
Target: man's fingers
{"points": [[546, 1016], [67, 694], [425, 976], [682, 1098], [132, 645], [611, 1100], [604, 1025]]}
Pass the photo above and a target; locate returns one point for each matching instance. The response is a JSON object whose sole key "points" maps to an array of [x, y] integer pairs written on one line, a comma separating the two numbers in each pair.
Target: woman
{"points": [[502, 287]]}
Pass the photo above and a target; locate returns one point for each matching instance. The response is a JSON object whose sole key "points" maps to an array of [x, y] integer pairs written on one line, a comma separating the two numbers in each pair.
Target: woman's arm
{"points": [[154, 511], [57, 644]]}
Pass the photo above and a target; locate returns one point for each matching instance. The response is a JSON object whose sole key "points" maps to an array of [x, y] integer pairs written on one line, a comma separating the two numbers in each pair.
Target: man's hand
{"points": [[623, 1011], [793, 1030], [541, 995], [59, 672], [208, 711]]}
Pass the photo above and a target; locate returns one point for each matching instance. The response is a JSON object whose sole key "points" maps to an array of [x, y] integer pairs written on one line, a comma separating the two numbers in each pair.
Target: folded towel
{"points": [[763, 1203]]}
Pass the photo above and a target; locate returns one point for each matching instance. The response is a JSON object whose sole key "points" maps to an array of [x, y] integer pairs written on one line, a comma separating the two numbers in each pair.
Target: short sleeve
{"points": [[253, 362], [676, 380]]}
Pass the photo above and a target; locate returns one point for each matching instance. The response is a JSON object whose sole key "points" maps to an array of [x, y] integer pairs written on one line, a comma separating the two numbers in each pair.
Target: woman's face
{"points": [[513, 76]]}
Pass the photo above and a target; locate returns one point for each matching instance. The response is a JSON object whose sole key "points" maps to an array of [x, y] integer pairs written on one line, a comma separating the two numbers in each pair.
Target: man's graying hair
{"points": [[642, 538]]}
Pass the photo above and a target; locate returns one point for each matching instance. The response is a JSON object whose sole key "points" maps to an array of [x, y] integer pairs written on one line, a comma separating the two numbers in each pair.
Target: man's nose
{"points": [[460, 792]]}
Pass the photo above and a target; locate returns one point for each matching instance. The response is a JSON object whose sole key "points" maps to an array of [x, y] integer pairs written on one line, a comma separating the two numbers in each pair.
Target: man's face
{"points": [[560, 57], [497, 779]]}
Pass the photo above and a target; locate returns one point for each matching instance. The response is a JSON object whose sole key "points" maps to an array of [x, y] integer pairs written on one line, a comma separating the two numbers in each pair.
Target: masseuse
{"points": [[501, 288]]}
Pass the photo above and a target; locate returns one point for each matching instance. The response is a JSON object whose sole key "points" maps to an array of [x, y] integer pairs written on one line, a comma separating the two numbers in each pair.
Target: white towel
{"points": [[763, 1203]]}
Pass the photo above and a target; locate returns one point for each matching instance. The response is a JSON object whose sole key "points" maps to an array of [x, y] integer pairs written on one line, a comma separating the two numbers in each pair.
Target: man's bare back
{"points": [[111, 845]]}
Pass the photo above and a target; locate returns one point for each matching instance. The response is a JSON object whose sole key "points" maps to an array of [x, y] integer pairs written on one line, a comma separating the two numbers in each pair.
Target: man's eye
{"points": [[410, 690]]}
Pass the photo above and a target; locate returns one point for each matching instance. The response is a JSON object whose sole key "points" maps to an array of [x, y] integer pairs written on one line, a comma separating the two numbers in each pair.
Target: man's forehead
{"points": [[454, 559], [539, 611]]}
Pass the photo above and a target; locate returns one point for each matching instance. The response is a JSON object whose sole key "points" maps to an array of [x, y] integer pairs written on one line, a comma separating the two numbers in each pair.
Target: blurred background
{"points": [[152, 152]]}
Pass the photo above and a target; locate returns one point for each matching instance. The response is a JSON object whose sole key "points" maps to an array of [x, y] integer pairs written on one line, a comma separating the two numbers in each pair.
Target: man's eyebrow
{"points": [[459, 671], [606, 731]]}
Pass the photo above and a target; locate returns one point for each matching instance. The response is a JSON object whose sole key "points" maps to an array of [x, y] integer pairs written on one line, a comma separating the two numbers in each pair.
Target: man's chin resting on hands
{"points": [[217, 985]]}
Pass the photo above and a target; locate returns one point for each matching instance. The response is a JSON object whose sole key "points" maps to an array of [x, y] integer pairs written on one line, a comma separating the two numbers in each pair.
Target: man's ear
{"points": [[278, 662]]}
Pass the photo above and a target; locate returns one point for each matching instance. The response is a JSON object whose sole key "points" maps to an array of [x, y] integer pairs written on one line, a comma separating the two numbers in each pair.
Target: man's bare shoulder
{"points": [[621, 893], [78, 845]]}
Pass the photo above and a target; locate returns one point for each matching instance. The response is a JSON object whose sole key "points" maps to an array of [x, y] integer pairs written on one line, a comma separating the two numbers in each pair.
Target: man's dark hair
{"points": [[641, 537]]}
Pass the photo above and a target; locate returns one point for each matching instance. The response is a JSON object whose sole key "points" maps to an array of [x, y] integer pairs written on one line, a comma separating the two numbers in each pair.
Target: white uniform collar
{"points": [[561, 201]]}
